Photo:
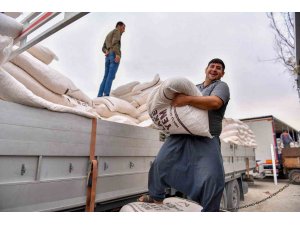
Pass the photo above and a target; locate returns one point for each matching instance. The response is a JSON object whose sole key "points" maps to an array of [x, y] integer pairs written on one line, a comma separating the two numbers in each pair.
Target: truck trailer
{"points": [[267, 130], [44, 161]]}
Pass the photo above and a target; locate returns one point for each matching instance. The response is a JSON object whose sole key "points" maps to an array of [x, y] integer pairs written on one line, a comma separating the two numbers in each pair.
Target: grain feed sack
{"points": [[34, 86], [127, 97], [141, 98], [144, 116], [142, 108], [75, 103], [104, 111], [9, 26], [141, 87], [172, 204], [124, 89], [135, 104], [80, 95], [42, 53], [147, 123], [13, 91], [6, 44], [49, 77], [123, 119], [177, 120], [117, 105]]}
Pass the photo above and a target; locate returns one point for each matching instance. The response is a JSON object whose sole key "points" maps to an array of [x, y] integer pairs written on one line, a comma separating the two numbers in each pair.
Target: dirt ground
{"points": [[286, 201]]}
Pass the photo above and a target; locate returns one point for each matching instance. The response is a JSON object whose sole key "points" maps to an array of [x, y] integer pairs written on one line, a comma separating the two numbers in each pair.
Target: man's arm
{"points": [[116, 38], [104, 48], [201, 102]]}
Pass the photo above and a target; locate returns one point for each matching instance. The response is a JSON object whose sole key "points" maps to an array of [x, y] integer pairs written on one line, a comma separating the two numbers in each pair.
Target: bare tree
{"points": [[284, 34]]}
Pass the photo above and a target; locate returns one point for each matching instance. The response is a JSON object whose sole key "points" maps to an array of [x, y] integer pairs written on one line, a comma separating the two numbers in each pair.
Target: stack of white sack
{"points": [[37, 80], [135, 92], [49, 77], [128, 103], [236, 132], [116, 109], [14, 91], [177, 120], [124, 91]]}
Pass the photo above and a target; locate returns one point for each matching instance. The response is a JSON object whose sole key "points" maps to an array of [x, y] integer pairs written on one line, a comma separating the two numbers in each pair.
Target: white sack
{"points": [[49, 77], [173, 204], [123, 119], [141, 87], [9, 26], [144, 116], [141, 98], [34, 86], [127, 97], [104, 111], [135, 104], [177, 120], [147, 123], [13, 91], [124, 89], [142, 108], [6, 44], [117, 105], [42, 53]]}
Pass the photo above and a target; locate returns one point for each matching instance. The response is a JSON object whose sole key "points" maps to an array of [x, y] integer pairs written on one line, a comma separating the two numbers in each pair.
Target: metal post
{"points": [[297, 49], [273, 164]]}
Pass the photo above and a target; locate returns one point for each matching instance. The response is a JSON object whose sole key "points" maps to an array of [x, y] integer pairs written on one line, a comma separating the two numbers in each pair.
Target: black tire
{"points": [[294, 176], [223, 204], [233, 195]]}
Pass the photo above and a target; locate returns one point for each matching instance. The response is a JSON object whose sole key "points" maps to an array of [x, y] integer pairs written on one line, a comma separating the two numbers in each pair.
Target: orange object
{"points": [[269, 161]]}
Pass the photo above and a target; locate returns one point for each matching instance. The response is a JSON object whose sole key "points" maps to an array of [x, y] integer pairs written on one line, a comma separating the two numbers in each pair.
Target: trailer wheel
{"points": [[294, 176], [233, 195]]}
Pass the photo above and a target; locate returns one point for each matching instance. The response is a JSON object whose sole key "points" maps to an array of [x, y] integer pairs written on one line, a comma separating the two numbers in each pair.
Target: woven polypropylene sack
{"points": [[177, 120]]}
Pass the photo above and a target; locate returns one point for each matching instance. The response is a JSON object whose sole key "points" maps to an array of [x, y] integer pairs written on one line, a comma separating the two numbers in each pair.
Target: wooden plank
{"points": [[291, 152], [291, 162]]}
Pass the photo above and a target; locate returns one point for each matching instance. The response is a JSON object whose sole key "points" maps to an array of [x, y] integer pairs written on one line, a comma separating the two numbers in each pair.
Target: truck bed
{"points": [[44, 159]]}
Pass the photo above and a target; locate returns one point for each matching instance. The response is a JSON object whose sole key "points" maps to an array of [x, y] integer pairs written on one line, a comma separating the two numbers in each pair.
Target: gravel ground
{"points": [[286, 201]]}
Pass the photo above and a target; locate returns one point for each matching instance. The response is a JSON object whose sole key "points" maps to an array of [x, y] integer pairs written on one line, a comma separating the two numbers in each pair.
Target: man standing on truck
{"points": [[192, 164], [112, 51], [286, 139]]}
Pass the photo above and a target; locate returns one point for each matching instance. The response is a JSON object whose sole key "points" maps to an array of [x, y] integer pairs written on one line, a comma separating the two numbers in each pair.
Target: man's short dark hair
{"points": [[120, 23], [217, 60]]}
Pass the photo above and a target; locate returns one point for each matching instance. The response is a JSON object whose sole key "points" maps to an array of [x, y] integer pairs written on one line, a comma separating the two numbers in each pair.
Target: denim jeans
{"points": [[111, 68]]}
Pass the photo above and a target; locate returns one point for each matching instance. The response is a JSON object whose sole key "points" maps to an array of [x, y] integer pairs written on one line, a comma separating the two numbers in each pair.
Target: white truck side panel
{"points": [[44, 159], [263, 131]]}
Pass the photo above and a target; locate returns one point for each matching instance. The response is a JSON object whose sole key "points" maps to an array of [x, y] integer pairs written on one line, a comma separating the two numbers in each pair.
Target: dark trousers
{"points": [[192, 165]]}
